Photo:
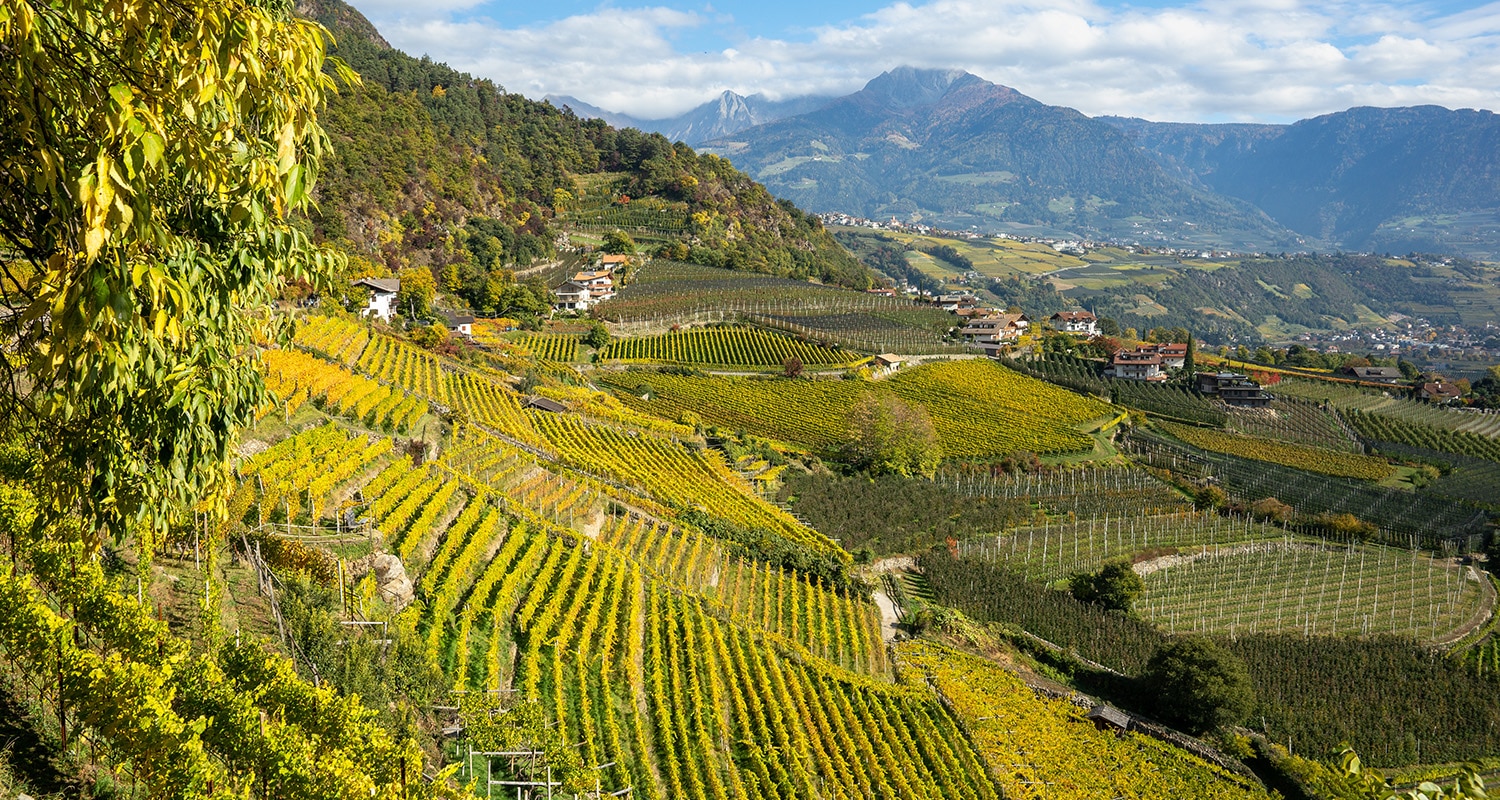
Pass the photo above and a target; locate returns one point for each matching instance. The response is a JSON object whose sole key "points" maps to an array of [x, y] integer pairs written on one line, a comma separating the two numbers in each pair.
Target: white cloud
{"points": [[1207, 60]]}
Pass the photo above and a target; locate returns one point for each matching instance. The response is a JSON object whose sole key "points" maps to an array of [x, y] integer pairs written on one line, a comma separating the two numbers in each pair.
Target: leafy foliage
{"points": [[1114, 585], [1199, 684], [887, 436], [156, 155]]}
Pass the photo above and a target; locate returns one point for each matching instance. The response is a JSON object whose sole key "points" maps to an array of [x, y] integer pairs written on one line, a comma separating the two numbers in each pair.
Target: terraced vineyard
{"points": [[1043, 747], [1048, 552], [1406, 518], [1380, 428], [980, 409], [552, 347], [1312, 459], [1390, 403], [726, 347], [1293, 420], [297, 378], [1084, 493], [1312, 589], [673, 474], [667, 292], [1080, 375]]}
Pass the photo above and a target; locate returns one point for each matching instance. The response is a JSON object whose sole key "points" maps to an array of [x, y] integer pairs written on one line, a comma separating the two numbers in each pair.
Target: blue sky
{"points": [[1207, 60]]}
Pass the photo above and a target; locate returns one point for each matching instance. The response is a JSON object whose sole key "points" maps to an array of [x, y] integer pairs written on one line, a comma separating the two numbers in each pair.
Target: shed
{"points": [[545, 404], [888, 360], [1106, 716]]}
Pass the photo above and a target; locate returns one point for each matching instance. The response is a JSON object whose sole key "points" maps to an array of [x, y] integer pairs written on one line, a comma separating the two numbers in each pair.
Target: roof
{"points": [[545, 404], [459, 319], [1377, 372], [889, 358], [1074, 316], [1173, 349], [1110, 715], [614, 258], [571, 288], [1137, 357], [386, 285], [1442, 389]]}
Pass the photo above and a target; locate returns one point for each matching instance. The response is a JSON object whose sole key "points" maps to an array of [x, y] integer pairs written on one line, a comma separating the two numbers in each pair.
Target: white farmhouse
{"points": [[382, 296]]}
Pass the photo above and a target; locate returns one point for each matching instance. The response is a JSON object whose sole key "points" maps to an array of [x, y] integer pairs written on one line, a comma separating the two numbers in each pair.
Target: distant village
{"points": [[1067, 246]]}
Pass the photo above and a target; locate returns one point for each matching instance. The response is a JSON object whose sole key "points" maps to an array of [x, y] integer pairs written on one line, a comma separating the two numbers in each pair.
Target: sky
{"points": [[1205, 61]]}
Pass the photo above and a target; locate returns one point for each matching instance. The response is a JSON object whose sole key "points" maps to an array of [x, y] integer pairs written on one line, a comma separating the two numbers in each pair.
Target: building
{"points": [[953, 302], [1107, 717], [887, 362], [461, 324], [1233, 388], [1137, 365], [1173, 355], [383, 293], [1075, 322], [1439, 391], [614, 261], [572, 297], [600, 283], [544, 404], [995, 328], [1376, 374]]}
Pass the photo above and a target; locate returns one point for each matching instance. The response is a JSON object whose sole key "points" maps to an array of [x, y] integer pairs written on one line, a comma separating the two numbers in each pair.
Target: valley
{"points": [[368, 430]]}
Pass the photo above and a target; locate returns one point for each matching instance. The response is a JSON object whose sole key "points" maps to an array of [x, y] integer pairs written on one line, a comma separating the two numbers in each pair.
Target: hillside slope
{"points": [[427, 158], [1387, 179]]}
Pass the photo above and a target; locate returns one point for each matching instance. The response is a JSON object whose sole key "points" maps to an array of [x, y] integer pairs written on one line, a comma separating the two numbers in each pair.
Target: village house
{"points": [[995, 328], [599, 282], [1233, 388], [1137, 365], [614, 261], [383, 291], [572, 297], [1075, 322], [461, 324], [1439, 391], [953, 302]]}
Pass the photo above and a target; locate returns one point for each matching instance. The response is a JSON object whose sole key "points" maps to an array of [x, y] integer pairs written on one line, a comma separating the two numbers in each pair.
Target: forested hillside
{"points": [[427, 160]]}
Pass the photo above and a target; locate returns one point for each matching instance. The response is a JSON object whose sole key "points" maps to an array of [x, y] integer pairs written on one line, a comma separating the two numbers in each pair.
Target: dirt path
{"points": [[888, 616], [1481, 615]]}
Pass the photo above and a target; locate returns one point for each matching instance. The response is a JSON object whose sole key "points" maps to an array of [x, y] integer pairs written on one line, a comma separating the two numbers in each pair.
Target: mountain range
{"points": [[951, 149], [726, 114]]}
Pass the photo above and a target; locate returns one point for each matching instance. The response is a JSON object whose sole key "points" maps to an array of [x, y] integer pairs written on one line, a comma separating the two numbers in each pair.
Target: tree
{"points": [[1409, 370], [155, 155], [1198, 684], [1114, 586], [792, 367], [418, 290], [1190, 361], [888, 436], [597, 337], [618, 242]]}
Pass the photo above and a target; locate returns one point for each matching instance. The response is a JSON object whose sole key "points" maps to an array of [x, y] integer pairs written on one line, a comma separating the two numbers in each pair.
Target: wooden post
{"points": [[62, 706]]}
